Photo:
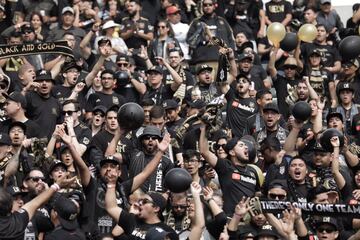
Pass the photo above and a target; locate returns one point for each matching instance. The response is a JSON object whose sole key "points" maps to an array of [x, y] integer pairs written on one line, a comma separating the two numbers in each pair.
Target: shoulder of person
{"points": [[144, 19]]}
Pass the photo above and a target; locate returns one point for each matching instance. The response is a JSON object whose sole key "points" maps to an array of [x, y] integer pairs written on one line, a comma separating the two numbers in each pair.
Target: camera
{"points": [[122, 78]]}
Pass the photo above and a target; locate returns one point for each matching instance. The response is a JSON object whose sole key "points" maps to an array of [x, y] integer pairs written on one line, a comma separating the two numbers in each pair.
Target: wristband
{"points": [[208, 201], [55, 187], [237, 216], [110, 185]]}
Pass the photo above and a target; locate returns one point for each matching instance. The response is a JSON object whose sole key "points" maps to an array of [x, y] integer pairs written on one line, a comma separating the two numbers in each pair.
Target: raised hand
{"points": [[287, 222], [335, 141], [208, 193], [242, 208], [64, 181], [195, 189], [164, 144]]}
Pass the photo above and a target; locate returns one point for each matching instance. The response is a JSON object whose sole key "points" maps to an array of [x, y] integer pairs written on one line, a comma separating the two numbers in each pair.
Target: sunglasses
{"points": [[68, 112], [151, 137], [218, 146], [36, 179], [290, 67], [277, 196], [123, 64], [162, 27], [145, 201], [325, 229], [179, 207], [208, 4]]}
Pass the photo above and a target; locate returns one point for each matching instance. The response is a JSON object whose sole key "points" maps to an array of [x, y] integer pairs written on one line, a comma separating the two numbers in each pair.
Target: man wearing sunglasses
{"points": [[351, 75], [284, 81], [140, 158]]}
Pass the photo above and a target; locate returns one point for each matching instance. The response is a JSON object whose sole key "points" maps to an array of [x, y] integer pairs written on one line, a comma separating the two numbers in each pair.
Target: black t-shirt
{"points": [[60, 233], [238, 110], [143, 25], [61, 93], [83, 134], [280, 85], [95, 196], [257, 76], [160, 94], [137, 161], [44, 111], [187, 77], [235, 182], [107, 100], [136, 229], [276, 11], [12, 227], [32, 128]]}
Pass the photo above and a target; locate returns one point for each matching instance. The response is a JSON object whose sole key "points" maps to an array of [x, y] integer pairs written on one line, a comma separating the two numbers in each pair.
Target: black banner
{"points": [[60, 47], [311, 208]]}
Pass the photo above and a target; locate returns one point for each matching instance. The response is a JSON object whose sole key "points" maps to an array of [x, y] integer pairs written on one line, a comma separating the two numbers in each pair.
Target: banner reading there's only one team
{"points": [[267, 206], [60, 47]]}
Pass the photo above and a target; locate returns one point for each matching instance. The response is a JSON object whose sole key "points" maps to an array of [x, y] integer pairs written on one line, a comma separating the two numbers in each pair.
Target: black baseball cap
{"points": [[27, 28], [122, 58], [231, 144], [170, 104], [267, 230], [198, 104], [155, 69], [18, 124], [5, 139], [202, 68], [156, 233], [279, 183], [43, 75], [67, 212], [71, 64], [56, 163], [16, 97], [99, 108], [14, 191], [327, 220], [109, 159], [344, 86], [315, 51], [243, 56], [334, 114], [104, 40], [271, 106], [318, 148], [158, 200]]}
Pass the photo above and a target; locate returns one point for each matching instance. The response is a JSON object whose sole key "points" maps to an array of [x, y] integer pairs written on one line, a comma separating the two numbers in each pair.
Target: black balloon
{"points": [[178, 180], [289, 43], [122, 78], [131, 116], [327, 135], [349, 47], [301, 111]]}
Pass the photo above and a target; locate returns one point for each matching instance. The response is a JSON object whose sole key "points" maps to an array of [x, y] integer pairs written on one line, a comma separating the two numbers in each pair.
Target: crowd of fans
{"points": [[70, 170]]}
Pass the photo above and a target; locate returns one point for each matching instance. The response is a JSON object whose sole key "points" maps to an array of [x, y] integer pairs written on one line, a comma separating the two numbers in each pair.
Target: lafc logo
{"points": [[43, 72]]}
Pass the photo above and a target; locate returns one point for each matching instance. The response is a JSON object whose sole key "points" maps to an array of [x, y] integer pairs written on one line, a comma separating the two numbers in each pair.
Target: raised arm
{"points": [[204, 148], [177, 79], [241, 209], [271, 65], [290, 141], [335, 166], [198, 225], [110, 198]]}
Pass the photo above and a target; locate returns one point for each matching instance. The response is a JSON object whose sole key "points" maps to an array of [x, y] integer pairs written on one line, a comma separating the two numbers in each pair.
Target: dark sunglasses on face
{"points": [[162, 27], [290, 67], [68, 112], [327, 230], [151, 137], [277, 196], [208, 4], [123, 64], [179, 207], [36, 179], [218, 146]]}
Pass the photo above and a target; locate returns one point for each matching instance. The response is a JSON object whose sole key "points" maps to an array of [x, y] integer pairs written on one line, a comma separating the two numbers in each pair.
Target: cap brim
{"points": [[153, 70], [102, 162], [204, 69]]}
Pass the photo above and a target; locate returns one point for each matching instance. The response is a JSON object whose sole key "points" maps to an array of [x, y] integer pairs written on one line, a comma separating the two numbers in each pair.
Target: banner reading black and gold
{"points": [[60, 47]]}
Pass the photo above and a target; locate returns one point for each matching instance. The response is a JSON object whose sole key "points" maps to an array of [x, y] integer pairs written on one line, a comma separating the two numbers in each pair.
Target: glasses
{"points": [[162, 27], [277, 196], [151, 137], [325, 229], [190, 161], [68, 112], [218, 146], [123, 64], [290, 67], [242, 80], [346, 65], [27, 32], [144, 201], [107, 78], [182, 207], [208, 4], [99, 114], [36, 179]]}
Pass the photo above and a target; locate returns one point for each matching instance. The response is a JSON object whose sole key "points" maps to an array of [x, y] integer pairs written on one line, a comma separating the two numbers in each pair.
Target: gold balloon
{"points": [[276, 32], [307, 32]]}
